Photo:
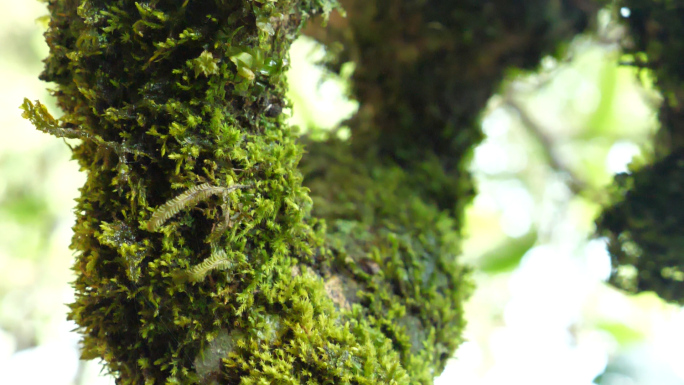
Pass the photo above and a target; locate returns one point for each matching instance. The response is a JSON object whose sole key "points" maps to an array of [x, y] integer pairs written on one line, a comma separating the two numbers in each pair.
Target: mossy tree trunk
{"points": [[201, 256]]}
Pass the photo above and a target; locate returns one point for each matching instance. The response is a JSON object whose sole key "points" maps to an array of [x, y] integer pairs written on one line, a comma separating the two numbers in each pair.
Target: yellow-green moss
{"points": [[186, 164], [198, 259]]}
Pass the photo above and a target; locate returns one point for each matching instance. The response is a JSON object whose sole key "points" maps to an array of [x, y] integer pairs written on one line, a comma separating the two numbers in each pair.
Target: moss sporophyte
{"points": [[198, 258]]}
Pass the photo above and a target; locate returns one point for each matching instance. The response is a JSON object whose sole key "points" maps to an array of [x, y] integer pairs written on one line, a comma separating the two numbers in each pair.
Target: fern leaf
{"points": [[218, 260], [185, 200], [39, 116]]}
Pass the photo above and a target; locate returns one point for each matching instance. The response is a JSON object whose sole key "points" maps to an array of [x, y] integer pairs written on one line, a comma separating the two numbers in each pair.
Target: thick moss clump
{"points": [[191, 223], [198, 261], [198, 257], [644, 223], [392, 253]]}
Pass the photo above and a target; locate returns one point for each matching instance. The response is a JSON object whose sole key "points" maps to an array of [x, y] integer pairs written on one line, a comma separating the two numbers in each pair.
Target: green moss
{"points": [[170, 102], [392, 253], [197, 258]]}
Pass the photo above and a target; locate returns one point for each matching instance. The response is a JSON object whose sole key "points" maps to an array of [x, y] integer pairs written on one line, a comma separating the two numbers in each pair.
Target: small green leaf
{"points": [[623, 334], [205, 64], [508, 254]]}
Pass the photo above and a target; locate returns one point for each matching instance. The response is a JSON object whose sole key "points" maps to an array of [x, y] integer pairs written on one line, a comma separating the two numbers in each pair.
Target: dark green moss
{"points": [[425, 70], [643, 221], [655, 43], [394, 195], [645, 227]]}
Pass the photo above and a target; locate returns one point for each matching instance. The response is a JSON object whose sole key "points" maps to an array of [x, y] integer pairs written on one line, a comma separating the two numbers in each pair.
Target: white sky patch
{"points": [[490, 157], [517, 208], [620, 155], [463, 368], [597, 259], [548, 293], [516, 221], [319, 97], [497, 123], [669, 339]]}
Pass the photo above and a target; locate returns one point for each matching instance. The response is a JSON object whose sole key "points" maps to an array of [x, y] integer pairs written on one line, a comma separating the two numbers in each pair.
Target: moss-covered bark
{"points": [[191, 225], [645, 222], [198, 257], [425, 71]]}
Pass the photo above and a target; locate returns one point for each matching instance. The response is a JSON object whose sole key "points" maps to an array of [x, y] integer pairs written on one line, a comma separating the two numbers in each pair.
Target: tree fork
{"points": [[182, 277]]}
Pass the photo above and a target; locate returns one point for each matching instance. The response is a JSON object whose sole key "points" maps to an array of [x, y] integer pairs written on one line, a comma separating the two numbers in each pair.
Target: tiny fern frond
{"points": [[218, 260], [187, 199], [41, 118]]}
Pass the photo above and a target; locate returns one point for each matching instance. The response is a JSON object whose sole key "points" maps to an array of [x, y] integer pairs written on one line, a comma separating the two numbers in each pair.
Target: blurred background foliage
{"points": [[541, 313]]}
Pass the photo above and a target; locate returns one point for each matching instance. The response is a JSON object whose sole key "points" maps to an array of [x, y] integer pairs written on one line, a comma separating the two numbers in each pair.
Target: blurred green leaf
{"points": [[623, 334], [604, 113], [25, 209], [507, 255]]}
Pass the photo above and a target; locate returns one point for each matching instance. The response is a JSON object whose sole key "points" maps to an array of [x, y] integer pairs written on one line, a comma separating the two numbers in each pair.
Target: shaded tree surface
{"points": [[644, 222], [215, 246]]}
